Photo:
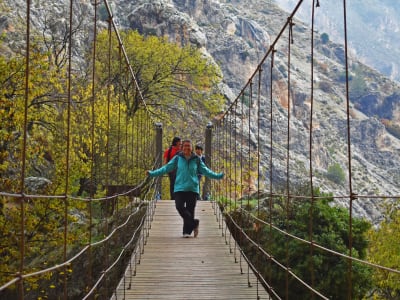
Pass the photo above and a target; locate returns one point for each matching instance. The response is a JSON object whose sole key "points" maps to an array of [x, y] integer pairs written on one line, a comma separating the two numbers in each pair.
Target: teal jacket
{"points": [[186, 172]]}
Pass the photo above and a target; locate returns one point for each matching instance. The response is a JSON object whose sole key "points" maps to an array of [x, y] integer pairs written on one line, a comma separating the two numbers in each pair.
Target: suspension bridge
{"points": [[106, 234]]}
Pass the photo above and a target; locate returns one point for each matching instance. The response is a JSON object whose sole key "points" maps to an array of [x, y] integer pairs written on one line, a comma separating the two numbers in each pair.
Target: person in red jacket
{"points": [[169, 153]]}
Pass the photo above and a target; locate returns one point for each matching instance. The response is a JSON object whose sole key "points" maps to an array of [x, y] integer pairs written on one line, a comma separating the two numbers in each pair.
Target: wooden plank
{"points": [[173, 267]]}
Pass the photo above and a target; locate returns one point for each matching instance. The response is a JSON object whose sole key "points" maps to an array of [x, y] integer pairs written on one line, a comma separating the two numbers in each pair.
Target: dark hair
{"points": [[199, 147], [176, 140]]}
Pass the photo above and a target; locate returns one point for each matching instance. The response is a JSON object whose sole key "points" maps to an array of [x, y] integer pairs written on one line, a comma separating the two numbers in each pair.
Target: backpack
{"points": [[169, 154], [173, 173]]}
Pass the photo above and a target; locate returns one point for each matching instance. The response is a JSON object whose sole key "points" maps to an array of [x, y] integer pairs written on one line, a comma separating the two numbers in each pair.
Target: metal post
{"points": [[159, 153], [208, 155]]}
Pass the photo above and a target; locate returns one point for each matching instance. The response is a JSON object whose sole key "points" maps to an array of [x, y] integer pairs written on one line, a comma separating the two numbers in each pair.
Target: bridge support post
{"points": [[159, 154], [208, 155]]}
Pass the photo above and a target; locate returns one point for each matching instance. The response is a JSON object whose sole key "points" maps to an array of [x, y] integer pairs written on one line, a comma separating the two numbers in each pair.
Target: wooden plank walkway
{"points": [[173, 267]]}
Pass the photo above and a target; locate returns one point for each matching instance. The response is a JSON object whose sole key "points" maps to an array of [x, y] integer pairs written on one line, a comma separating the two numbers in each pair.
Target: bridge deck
{"points": [[173, 267]]}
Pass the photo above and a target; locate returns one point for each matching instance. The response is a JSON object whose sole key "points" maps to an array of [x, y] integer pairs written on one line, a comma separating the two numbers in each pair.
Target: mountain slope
{"points": [[236, 34], [373, 29]]}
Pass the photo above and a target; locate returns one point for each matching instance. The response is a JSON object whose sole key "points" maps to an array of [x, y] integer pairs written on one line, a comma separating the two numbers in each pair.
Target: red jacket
{"points": [[170, 152]]}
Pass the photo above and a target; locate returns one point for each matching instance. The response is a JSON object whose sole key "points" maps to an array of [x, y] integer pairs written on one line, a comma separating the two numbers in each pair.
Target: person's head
{"points": [[198, 149], [176, 141], [187, 147]]}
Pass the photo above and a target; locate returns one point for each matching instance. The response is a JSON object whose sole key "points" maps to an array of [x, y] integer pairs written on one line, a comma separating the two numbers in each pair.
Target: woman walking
{"points": [[186, 189]]}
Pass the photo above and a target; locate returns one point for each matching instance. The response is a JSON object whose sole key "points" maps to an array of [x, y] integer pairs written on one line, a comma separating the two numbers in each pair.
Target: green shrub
{"points": [[336, 174], [330, 229], [324, 38]]}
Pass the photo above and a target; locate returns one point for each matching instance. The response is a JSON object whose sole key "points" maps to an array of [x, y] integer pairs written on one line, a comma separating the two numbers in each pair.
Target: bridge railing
{"points": [[75, 147], [301, 242], [56, 198]]}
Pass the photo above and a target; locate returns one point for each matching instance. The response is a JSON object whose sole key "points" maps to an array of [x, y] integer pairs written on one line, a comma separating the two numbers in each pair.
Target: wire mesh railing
{"points": [[77, 138], [301, 242], [74, 195]]}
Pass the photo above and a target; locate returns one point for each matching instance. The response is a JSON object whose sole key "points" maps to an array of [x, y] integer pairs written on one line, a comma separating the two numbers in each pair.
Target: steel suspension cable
{"points": [[259, 175], [242, 134], [67, 154], [352, 194], [225, 168], [268, 54], [119, 129], [24, 150], [108, 136], [229, 165], [249, 165], [290, 42], [231, 159], [312, 193], [271, 124], [236, 180], [125, 55], [92, 146]]}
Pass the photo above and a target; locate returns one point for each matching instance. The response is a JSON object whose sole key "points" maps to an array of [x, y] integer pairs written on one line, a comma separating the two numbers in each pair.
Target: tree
{"points": [[336, 174], [324, 38], [45, 157], [10, 113], [384, 250], [174, 82], [166, 74], [330, 230]]}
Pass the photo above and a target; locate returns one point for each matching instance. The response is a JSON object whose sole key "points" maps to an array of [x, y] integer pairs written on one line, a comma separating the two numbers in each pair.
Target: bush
{"points": [[325, 86], [336, 174], [324, 38], [330, 229]]}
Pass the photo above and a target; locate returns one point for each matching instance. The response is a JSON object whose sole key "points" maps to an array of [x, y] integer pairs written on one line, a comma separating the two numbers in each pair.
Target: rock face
{"points": [[37, 185], [377, 46], [236, 34]]}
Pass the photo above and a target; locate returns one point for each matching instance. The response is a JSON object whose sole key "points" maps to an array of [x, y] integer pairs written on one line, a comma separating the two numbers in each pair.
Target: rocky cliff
{"points": [[236, 35], [373, 32]]}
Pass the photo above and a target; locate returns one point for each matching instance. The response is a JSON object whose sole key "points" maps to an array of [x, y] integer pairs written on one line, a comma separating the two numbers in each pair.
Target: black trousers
{"points": [[185, 203]]}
